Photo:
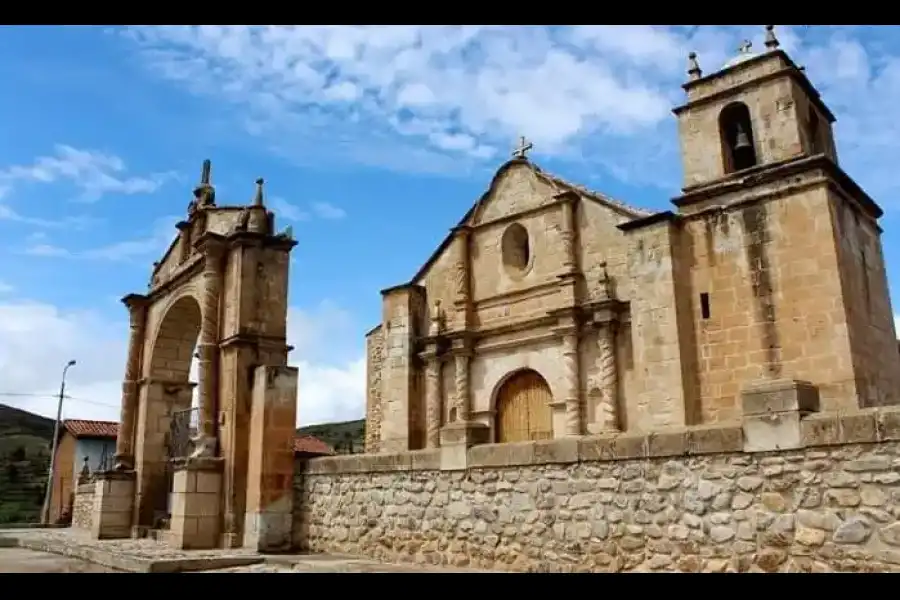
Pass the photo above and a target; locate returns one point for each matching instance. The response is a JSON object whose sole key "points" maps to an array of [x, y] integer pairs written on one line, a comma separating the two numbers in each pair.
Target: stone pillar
{"points": [[571, 382], [208, 348], [462, 278], [462, 402], [568, 232], [184, 240], [458, 435], [433, 396], [137, 308], [196, 492], [268, 520], [773, 410], [606, 413], [113, 505]]}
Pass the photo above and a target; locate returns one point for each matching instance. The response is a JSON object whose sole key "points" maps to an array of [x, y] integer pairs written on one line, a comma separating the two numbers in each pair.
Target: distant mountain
{"points": [[24, 459], [345, 437], [22, 427]]}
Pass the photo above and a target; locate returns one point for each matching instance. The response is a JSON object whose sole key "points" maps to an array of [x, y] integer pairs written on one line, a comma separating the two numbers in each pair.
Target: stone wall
{"points": [[680, 500], [374, 360], [83, 506]]}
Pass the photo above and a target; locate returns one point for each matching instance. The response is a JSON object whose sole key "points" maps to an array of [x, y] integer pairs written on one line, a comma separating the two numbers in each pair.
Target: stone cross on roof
{"points": [[522, 149]]}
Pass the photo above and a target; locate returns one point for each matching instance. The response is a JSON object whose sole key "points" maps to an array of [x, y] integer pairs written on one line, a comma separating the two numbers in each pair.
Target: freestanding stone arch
{"points": [[220, 293]]}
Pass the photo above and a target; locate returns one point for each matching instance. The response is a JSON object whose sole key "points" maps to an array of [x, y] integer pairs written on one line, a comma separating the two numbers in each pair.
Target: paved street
{"points": [[19, 560]]}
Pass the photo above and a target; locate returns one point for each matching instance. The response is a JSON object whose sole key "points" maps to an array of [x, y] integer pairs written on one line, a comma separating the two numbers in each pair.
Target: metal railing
{"points": [[182, 429]]}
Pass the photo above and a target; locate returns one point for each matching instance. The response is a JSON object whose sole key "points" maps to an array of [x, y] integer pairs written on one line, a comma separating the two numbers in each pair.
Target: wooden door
{"points": [[523, 409]]}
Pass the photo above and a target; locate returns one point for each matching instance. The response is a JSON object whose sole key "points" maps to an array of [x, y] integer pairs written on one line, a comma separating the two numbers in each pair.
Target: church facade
{"points": [[554, 311]]}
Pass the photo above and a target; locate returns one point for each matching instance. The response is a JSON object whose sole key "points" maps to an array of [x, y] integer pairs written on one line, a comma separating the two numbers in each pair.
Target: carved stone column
{"points": [[137, 308], [208, 348], [606, 413], [462, 402], [433, 398], [571, 382], [462, 277]]}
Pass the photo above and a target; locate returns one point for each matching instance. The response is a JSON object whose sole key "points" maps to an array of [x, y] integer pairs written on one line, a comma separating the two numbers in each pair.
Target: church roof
{"points": [[560, 184], [564, 185], [738, 59]]}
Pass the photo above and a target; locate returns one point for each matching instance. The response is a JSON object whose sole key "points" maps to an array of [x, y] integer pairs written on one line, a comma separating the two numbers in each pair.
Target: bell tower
{"points": [[758, 109], [786, 262]]}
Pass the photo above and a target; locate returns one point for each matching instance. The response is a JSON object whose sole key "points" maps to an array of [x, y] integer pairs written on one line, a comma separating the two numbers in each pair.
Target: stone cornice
{"points": [[865, 426]]}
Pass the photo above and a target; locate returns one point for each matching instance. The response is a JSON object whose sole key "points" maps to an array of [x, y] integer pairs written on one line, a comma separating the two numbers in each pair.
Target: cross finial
{"points": [[694, 70], [745, 47], [771, 41], [522, 149], [205, 172]]}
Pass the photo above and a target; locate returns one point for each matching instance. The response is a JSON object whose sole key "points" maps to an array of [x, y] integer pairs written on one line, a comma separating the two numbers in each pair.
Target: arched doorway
{"points": [[523, 408]]}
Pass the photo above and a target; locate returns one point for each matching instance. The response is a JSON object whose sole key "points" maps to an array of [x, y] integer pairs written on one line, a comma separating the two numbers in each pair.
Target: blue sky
{"points": [[373, 142]]}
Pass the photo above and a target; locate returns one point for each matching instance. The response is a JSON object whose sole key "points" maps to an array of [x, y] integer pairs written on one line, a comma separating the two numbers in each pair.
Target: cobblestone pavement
{"points": [[19, 560]]}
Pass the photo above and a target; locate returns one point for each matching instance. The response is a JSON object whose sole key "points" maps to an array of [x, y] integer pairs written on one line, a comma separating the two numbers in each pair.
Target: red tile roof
{"points": [[110, 429], [98, 429], [312, 445]]}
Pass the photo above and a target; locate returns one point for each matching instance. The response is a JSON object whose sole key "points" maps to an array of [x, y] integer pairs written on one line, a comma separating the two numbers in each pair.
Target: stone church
{"points": [[553, 311]]}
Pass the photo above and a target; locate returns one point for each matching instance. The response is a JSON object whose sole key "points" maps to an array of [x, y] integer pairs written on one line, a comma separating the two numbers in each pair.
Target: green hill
{"points": [[345, 437], [24, 459]]}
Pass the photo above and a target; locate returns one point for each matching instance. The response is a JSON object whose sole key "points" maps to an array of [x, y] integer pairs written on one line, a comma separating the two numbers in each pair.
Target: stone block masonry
{"points": [[690, 500], [113, 505]]}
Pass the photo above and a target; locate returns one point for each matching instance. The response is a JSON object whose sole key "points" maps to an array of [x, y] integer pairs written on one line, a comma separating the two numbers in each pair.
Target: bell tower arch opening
{"points": [[523, 408], [736, 134]]}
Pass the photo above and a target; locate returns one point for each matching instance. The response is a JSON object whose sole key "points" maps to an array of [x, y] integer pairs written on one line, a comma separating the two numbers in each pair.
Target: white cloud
{"points": [[287, 210], [154, 242], [328, 211], [94, 174], [292, 212], [46, 250], [444, 98], [37, 339], [70, 222]]}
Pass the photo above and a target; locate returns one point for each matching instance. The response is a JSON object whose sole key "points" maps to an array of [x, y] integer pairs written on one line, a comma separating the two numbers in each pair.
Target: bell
{"points": [[741, 141]]}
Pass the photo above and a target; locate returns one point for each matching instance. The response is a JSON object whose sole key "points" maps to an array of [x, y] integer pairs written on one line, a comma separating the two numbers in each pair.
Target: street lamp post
{"points": [[45, 511]]}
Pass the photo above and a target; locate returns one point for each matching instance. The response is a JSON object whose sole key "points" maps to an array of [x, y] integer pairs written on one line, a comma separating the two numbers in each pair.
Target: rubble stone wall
{"points": [[682, 500], [83, 506]]}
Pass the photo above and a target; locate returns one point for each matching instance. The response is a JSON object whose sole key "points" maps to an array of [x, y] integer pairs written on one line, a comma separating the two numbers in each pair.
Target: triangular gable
{"points": [[555, 186]]}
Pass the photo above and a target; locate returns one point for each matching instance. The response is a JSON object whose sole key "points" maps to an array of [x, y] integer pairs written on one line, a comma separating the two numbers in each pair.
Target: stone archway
{"points": [[168, 396], [523, 408], [220, 292]]}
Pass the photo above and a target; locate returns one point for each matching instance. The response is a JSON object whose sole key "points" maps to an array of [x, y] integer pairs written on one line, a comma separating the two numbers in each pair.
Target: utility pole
{"points": [[45, 511]]}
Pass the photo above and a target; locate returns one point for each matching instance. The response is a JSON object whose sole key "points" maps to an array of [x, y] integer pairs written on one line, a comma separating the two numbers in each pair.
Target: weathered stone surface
{"points": [[731, 512], [83, 507]]}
